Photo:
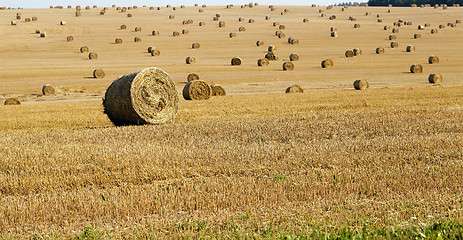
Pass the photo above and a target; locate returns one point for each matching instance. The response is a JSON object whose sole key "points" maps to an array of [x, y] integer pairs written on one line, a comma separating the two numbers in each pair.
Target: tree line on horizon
{"points": [[408, 3]]}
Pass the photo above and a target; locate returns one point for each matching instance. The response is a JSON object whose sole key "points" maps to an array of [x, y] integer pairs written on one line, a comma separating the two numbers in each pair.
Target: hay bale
{"points": [[271, 56], [433, 59], [148, 96], [185, 31], [394, 44], [47, 89], [333, 29], [37, 31], [357, 52], [387, 27], [271, 48], [240, 19], [155, 33], [192, 77], [232, 35], [18, 17], [137, 29], [293, 57], [281, 35], [392, 37], [43, 34], [150, 48], [13, 23], [262, 62], [137, 39], [215, 19], [458, 21], [290, 39], [190, 60], [334, 34], [259, 43], [34, 19], [221, 24], [98, 73], [435, 78], [294, 89], [155, 52], [421, 27], [123, 26], [62, 23], [416, 68], [171, 16], [118, 40], [294, 41], [361, 84], [102, 12], [202, 24], [236, 61], [27, 20], [410, 48], [379, 50], [395, 30], [175, 34], [416, 36], [201, 10], [281, 27], [197, 90], [327, 63], [78, 14], [434, 31], [241, 29], [70, 38], [268, 17], [12, 101], [441, 26], [356, 25], [305, 20], [349, 53], [276, 24], [83, 49], [195, 45], [288, 66], [92, 55], [217, 90]]}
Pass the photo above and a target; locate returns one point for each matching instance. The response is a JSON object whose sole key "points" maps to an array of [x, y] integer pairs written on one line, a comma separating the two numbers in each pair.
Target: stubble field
{"points": [[257, 163]]}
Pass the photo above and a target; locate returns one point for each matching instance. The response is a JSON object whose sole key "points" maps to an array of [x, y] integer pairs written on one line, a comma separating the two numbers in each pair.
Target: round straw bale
{"points": [[334, 34], [102, 12], [190, 60], [155, 33], [98, 73], [62, 23], [356, 25], [281, 35], [217, 90], [417, 35], [92, 55], [202, 24], [215, 19], [379, 50], [294, 41], [175, 34], [289, 39], [395, 30], [327, 63], [271, 56], [123, 26], [155, 52], [185, 31], [241, 29], [192, 77], [34, 19], [195, 45], [43, 34], [458, 21], [294, 89], [12, 101], [271, 48], [441, 26], [171, 16], [288, 66], [434, 31], [361, 84], [262, 62], [333, 29], [410, 48], [129, 15], [427, 24], [83, 49], [221, 24], [305, 20], [203, 6], [349, 53], [150, 48], [240, 19], [293, 57], [276, 24], [435, 78], [357, 52], [232, 34], [137, 39], [277, 32], [146, 96], [37, 31], [13, 23], [268, 17], [70, 38], [394, 44], [387, 27], [137, 29], [281, 27], [27, 20], [201, 10], [367, 13], [433, 59], [392, 37], [416, 68], [197, 90], [18, 17], [118, 40], [260, 43], [47, 89], [236, 61]]}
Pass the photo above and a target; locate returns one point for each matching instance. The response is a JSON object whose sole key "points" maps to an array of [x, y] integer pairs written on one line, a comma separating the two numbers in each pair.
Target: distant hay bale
{"points": [[47, 89], [195, 45], [197, 90], [417, 35], [327, 63], [357, 52], [394, 44], [349, 53], [271, 56], [118, 40], [281, 27], [416, 68], [155, 52], [434, 31], [290, 39], [201, 10], [236, 61], [123, 26], [334, 34], [37, 31], [34, 19], [333, 29], [293, 57], [367, 13], [332, 17], [241, 29], [232, 35], [150, 48], [148, 96], [43, 34], [433, 59], [435, 78], [427, 24], [217, 15], [281, 35], [190, 60], [98, 73], [192, 77], [202, 24], [379, 50], [294, 41], [221, 24], [277, 32], [62, 23], [27, 20], [84, 49], [215, 19], [13, 23], [240, 19], [356, 25], [441, 26], [392, 37], [129, 15], [70, 38], [155, 33], [380, 20], [288, 66], [18, 17], [458, 21], [12, 101], [410, 48], [260, 43], [204, 6], [137, 39], [217, 90], [171, 16], [262, 62], [421, 27], [102, 12], [395, 30], [272, 48], [175, 34], [92, 55], [361, 84], [294, 89], [387, 27], [305, 20], [137, 29], [185, 31], [268, 17], [276, 24]]}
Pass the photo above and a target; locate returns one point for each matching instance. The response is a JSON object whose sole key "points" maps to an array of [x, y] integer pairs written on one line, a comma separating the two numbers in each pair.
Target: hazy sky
{"points": [[103, 3]]}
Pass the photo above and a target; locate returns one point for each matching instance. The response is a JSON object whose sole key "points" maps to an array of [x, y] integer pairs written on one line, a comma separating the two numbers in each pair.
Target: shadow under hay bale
{"points": [[148, 96], [294, 89], [197, 90], [12, 101], [217, 90], [361, 84]]}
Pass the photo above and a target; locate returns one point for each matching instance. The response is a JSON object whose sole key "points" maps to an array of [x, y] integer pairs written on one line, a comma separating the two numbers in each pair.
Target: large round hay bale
{"points": [[47, 89], [43, 34], [195, 45], [118, 40], [416, 68], [146, 96], [232, 35], [123, 26], [251, 20], [271, 56], [392, 37], [18, 17], [356, 25], [416, 36], [137, 39], [37, 31], [357, 52], [185, 31], [92, 55], [442, 26], [236, 61], [197, 90], [155, 33], [201, 10], [78, 14], [62, 23], [192, 77], [333, 29], [171, 16], [137, 29], [394, 44], [435, 78], [202, 24], [387, 27], [262, 62], [361, 84], [379, 50], [293, 57], [268, 17], [69, 38], [150, 48], [294, 89], [288, 66], [395, 30], [98, 73], [271, 48], [175, 34], [241, 29], [282, 27], [276, 24], [12, 101], [155, 52], [83, 49], [34, 19], [349, 53], [281, 35], [217, 90], [434, 31], [410, 48], [327, 63], [433, 59], [190, 60], [221, 24], [27, 20], [305, 20], [260, 43], [334, 34]]}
